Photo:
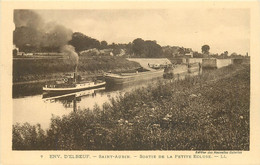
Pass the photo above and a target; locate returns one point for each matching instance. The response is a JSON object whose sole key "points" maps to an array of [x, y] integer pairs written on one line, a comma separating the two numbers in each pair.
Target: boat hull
{"points": [[72, 89], [130, 78]]}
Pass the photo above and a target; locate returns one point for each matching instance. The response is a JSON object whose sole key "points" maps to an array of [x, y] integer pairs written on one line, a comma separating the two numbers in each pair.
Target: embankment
{"points": [[40, 70]]}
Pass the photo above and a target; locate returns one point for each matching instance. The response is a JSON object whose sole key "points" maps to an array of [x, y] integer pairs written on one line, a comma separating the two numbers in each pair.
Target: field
{"points": [[34, 69], [206, 112]]}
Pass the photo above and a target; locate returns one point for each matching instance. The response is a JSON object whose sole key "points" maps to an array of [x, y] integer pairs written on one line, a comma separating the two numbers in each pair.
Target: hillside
{"points": [[44, 68]]}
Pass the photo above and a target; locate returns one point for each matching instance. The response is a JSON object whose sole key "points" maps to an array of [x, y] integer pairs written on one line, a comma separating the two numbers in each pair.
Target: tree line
{"points": [[137, 48]]}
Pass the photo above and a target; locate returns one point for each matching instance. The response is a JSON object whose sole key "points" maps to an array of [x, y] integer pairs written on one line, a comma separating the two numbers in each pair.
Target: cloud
{"points": [[222, 29]]}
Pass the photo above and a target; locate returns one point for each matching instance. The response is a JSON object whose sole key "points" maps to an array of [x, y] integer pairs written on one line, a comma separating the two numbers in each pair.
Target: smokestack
{"points": [[73, 57], [75, 73]]}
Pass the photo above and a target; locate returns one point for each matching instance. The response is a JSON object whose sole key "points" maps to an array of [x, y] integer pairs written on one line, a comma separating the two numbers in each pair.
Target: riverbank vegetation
{"points": [[206, 112], [38, 69]]}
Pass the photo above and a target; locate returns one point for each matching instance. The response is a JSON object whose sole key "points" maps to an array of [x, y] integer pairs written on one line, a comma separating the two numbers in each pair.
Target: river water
{"points": [[39, 107], [34, 107]]}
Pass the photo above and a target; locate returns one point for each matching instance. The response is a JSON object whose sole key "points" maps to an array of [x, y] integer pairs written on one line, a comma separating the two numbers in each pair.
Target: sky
{"points": [[221, 29]]}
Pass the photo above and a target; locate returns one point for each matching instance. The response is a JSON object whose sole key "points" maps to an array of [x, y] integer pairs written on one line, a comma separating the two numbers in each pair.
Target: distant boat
{"points": [[123, 78], [72, 84]]}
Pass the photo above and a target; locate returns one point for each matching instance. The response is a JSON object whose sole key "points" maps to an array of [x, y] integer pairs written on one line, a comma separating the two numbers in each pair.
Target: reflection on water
{"points": [[40, 108], [69, 100]]}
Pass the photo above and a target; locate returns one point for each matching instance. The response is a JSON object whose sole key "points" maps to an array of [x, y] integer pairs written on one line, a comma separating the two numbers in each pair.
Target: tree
{"points": [[129, 48], [226, 53], [82, 42], [139, 47], [146, 48], [181, 51], [197, 55], [205, 49], [153, 49], [15, 52], [167, 51], [234, 54], [103, 44]]}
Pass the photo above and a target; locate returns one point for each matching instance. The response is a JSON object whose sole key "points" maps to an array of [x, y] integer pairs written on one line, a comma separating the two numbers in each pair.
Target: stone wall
{"points": [[195, 60], [215, 63], [223, 62], [209, 63]]}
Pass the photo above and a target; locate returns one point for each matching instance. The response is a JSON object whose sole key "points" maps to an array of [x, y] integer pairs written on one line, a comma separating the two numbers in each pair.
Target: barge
{"points": [[125, 78]]}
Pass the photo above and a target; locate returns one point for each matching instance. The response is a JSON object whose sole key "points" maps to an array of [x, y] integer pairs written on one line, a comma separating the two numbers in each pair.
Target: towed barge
{"points": [[125, 78]]}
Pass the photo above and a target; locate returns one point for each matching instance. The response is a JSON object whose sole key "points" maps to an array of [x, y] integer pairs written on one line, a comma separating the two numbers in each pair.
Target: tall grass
{"points": [[24, 69], [207, 112]]}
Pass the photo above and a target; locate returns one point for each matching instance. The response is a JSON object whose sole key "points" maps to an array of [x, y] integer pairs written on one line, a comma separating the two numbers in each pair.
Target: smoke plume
{"points": [[33, 32], [70, 52]]}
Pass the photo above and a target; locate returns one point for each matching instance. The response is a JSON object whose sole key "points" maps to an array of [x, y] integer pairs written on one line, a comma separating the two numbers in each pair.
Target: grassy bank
{"points": [[207, 112], [25, 70]]}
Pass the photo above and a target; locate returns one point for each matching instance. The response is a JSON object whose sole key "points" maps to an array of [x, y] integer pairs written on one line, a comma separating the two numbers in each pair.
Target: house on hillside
{"points": [[24, 54], [20, 53], [28, 54], [108, 52], [122, 52], [182, 52], [189, 55], [91, 52]]}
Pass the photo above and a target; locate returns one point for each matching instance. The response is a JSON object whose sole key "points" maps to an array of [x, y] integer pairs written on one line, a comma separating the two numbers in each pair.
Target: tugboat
{"points": [[72, 83]]}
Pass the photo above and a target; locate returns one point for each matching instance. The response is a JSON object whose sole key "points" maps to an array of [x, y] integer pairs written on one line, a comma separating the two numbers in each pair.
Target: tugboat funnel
{"points": [[75, 74]]}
